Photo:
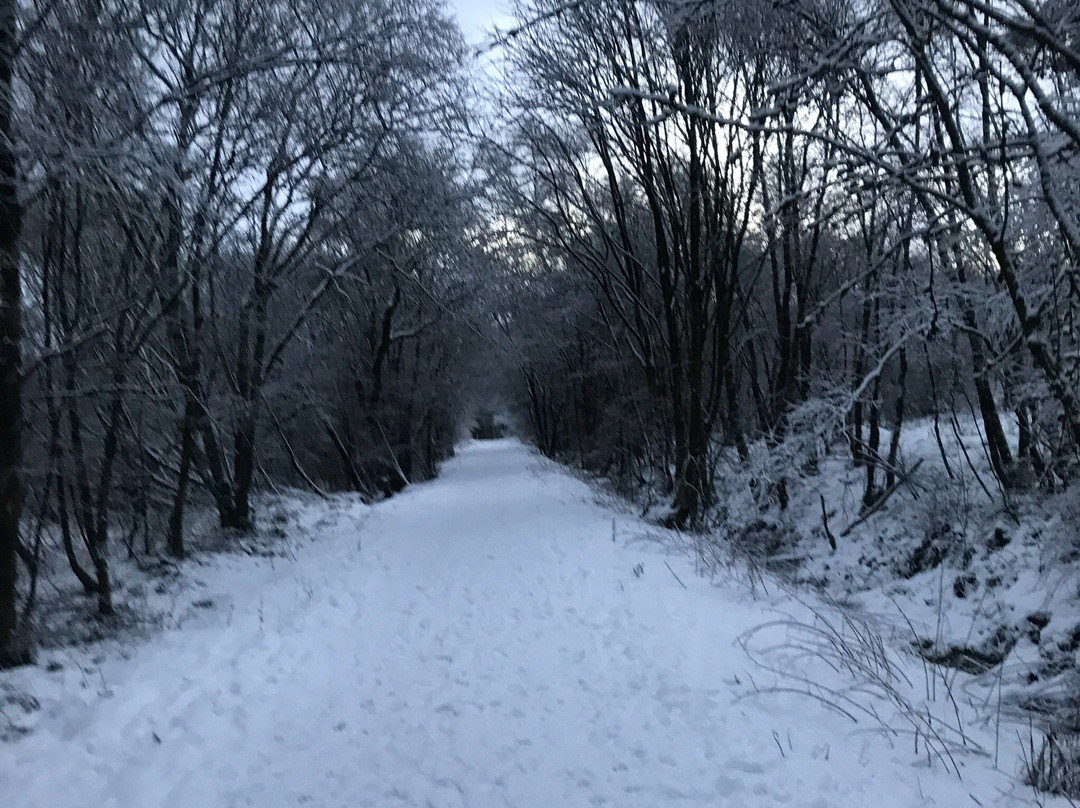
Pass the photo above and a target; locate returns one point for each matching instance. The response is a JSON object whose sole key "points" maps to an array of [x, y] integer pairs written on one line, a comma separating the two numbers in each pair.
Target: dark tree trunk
{"points": [[692, 477], [733, 428], [89, 583], [898, 421], [872, 454], [1026, 446], [238, 516], [12, 650], [858, 448], [1000, 456], [176, 546]]}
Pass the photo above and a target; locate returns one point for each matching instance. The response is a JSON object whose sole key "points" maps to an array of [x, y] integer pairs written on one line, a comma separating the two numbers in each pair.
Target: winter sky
{"points": [[477, 16]]}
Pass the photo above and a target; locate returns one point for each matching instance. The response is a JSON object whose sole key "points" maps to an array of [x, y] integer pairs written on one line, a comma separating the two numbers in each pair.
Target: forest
{"points": [[800, 279], [773, 222], [242, 242]]}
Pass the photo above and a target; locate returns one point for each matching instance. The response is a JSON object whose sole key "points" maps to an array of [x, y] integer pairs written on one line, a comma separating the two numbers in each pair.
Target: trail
{"points": [[480, 640]]}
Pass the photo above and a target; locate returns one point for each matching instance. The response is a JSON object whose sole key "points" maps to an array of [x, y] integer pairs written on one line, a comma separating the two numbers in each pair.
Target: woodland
{"points": [[715, 253]]}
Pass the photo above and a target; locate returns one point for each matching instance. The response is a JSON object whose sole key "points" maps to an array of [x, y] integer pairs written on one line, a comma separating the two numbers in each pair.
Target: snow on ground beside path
{"points": [[480, 640], [944, 565]]}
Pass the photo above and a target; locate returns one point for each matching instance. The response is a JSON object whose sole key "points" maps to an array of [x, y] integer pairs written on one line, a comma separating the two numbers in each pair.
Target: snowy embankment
{"points": [[492, 638], [981, 580]]}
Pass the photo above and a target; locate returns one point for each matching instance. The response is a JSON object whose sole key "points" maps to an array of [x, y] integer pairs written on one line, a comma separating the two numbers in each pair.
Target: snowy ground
{"points": [[492, 638], [949, 564]]}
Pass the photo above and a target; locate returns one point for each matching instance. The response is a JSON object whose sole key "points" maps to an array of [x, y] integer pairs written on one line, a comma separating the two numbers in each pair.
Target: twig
{"points": [[776, 737], [677, 578]]}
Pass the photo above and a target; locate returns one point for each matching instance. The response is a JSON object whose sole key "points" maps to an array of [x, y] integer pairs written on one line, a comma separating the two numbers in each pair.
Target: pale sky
{"points": [[476, 16]]}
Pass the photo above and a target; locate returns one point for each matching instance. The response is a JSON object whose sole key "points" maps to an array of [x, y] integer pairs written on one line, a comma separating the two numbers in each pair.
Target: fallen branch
{"points": [[825, 524], [900, 480]]}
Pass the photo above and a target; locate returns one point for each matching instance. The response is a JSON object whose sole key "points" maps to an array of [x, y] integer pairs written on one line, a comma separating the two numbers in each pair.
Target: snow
{"points": [[997, 571], [496, 637]]}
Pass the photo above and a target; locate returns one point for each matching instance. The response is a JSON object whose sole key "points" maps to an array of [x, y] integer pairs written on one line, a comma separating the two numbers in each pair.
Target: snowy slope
{"points": [[487, 639], [945, 564]]}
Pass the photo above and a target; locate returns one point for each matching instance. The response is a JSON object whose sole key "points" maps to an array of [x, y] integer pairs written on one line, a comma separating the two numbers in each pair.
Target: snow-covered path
{"points": [[480, 641]]}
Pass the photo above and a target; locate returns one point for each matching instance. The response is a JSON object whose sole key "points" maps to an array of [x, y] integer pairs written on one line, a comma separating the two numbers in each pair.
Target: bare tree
{"points": [[11, 650]]}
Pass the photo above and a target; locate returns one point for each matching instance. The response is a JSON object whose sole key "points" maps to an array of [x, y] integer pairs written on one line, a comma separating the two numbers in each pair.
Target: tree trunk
{"points": [[692, 476], [89, 583], [238, 516], [898, 421], [872, 456], [176, 546], [1000, 456], [12, 650]]}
